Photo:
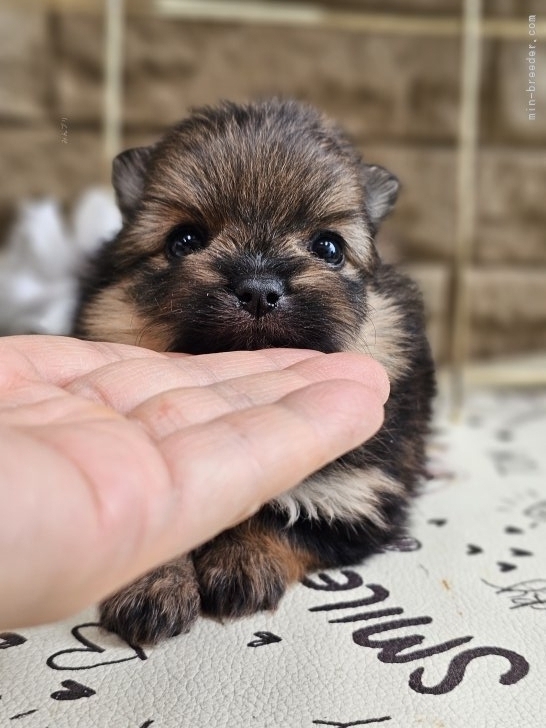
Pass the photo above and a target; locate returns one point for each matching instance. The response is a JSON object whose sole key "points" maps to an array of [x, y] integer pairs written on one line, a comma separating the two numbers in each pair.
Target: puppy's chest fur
{"points": [[252, 227]]}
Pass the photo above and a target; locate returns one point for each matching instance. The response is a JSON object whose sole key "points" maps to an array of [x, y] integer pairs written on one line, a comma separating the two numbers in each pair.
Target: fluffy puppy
{"points": [[247, 227]]}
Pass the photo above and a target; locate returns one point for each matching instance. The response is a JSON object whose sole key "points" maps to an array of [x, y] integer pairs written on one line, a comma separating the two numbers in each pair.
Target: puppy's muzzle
{"points": [[259, 295]]}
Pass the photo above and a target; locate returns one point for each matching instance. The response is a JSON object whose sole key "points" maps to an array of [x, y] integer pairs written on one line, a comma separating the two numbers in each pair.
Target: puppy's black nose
{"points": [[259, 295]]}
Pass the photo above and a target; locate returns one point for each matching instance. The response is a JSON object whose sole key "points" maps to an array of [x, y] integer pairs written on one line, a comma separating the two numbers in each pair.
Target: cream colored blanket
{"points": [[446, 629]]}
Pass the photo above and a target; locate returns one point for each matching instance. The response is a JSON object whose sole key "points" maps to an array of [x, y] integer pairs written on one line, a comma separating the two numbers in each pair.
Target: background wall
{"points": [[397, 96]]}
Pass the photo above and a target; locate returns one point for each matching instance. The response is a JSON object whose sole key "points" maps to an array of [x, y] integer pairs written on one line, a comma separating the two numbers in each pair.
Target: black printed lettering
{"points": [[368, 615], [354, 580], [519, 667], [379, 594], [389, 650]]}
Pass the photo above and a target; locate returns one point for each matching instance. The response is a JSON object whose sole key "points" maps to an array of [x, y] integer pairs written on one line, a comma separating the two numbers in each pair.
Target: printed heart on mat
{"points": [[503, 566], [11, 639], [264, 638], [72, 691], [520, 552], [104, 648]]}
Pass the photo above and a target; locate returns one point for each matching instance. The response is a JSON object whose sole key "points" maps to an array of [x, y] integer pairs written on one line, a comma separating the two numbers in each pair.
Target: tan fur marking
{"points": [[247, 569], [359, 251], [253, 544], [111, 316], [383, 336], [294, 562], [350, 495]]}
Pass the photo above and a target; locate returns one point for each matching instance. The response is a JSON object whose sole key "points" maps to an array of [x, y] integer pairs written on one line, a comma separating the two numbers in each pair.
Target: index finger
{"points": [[60, 360]]}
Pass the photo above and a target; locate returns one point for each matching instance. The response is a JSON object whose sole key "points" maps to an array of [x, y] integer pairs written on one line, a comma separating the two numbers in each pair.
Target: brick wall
{"points": [[396, 95]]}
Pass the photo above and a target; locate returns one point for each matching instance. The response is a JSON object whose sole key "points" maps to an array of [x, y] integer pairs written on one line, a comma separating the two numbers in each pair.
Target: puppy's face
{"points": [[245, 227]]}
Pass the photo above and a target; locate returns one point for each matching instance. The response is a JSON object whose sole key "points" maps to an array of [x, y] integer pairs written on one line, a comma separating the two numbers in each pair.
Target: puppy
{"points": [[248, 227]]}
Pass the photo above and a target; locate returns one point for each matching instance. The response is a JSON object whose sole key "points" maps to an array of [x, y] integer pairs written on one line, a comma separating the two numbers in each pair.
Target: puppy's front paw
{"points": [[245, 570], [235, 583], [161, 604]]}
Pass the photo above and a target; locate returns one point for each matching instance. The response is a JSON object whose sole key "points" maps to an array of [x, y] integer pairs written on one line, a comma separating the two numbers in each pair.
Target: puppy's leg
{"points": [[247, 569], [160, 604]]}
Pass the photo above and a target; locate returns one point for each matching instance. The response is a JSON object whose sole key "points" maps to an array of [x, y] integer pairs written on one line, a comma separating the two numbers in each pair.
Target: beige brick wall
{"points": [[397, 96]]}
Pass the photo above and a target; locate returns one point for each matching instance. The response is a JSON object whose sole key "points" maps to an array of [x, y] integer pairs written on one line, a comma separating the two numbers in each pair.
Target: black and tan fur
{"points": [[259, 185]]}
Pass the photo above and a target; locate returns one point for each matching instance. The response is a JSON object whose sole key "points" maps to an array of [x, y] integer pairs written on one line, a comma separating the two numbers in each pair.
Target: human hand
{"points": [[114, 459]]}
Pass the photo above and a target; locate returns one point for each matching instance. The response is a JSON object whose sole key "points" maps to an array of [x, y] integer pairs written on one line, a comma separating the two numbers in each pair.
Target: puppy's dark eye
{"points": [[329, 247], [184, 239]]}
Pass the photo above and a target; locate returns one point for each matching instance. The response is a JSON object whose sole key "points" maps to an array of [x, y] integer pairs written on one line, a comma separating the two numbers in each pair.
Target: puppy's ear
{"points": [[128, 176], [381, 190]]}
